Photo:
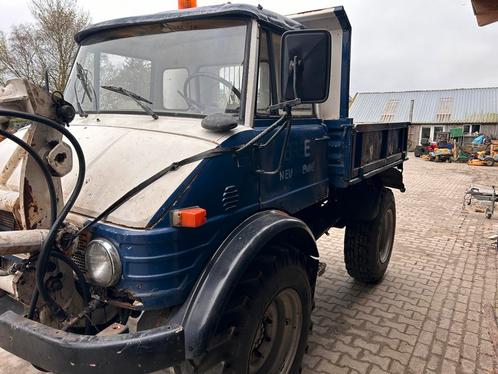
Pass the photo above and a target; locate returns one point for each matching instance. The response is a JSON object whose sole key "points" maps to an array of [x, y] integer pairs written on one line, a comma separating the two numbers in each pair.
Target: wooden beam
{"points": [[486, 11]]}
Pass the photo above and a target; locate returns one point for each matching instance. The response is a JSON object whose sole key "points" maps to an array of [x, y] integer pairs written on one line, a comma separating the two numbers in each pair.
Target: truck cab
{"points": [[217, 149]]}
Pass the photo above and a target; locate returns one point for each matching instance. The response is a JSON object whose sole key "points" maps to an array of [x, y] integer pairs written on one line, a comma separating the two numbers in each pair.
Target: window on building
{"points": [[437, 132], [445, 109], [471, 129], [425, 135], [389, 111]]}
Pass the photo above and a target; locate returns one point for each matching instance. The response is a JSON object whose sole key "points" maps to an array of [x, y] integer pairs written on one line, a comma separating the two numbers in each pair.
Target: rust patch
{"points": [[123, 298], [30, 206]]}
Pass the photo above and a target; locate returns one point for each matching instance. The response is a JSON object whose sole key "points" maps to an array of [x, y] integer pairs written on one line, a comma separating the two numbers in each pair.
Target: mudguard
{"points": [[227, 266]]}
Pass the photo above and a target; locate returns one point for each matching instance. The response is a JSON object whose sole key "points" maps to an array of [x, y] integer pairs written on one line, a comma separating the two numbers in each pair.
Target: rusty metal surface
{"points": [[114, 329], [8, 200], [34, 203], [25, 241], [11, 165], [19, 94]]}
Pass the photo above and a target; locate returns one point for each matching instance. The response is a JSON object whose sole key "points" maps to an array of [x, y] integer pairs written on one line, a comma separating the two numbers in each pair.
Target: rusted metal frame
{"points": [[25, 241], [34, 203], [11, 165]]}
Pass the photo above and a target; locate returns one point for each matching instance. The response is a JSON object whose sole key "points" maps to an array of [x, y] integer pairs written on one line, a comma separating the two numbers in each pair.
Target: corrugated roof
{"points": [[467, 105]]}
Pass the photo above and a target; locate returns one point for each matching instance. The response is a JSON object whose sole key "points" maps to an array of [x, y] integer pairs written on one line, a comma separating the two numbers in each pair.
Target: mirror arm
{"points": [[287, 105], [262, 134], [286, 126], [284, 105], [293, 65]]}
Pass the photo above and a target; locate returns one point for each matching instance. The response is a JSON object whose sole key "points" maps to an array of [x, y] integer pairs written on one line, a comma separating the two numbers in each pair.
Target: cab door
{"points": [[302, 179]]}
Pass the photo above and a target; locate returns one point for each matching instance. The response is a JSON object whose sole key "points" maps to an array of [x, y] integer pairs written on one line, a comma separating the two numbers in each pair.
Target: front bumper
{"points": [[62, 352]]}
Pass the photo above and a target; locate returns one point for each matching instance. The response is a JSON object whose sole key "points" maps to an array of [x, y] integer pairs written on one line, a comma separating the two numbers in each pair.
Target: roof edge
{"points": [[222, 10], [435, 90]]}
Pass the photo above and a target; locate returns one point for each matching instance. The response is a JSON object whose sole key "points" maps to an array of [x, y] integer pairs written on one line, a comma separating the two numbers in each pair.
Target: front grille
{"points": [[8, 221], [79, 254]]}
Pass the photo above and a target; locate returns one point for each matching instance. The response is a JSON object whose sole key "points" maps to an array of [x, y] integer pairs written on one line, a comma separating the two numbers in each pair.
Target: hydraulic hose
{"points": [[44, 256], [46, 172]]}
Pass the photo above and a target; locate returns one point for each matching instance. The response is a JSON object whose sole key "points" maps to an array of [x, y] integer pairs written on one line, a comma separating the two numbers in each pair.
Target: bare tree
{"points": [[48, 44], [21, 54]]}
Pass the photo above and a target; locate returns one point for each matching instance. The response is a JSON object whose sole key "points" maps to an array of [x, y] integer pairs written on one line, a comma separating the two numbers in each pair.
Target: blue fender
{"points": [[207, 300]]}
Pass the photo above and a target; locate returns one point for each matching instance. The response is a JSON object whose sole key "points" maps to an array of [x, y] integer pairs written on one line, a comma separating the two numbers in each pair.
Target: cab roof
{"points": [[225, 10]]}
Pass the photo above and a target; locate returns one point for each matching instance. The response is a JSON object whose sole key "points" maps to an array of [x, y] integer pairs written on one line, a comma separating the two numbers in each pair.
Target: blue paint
{"points": [[341, 15], [160, 265]]}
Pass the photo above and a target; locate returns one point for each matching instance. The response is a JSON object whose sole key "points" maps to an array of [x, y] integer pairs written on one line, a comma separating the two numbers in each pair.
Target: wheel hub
{"points": [[386, 236], [278, 334]]}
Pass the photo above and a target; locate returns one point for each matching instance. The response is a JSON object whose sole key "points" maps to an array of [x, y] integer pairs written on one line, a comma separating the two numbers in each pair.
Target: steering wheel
{"points": [[192, 103]]}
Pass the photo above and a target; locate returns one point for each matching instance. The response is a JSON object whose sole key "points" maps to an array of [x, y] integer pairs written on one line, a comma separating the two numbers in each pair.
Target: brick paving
{"points": [[427, 315]]}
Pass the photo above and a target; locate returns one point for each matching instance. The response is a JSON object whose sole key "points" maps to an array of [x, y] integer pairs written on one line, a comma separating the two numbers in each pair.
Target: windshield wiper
{"points": [[82, 76], [139, 100]]}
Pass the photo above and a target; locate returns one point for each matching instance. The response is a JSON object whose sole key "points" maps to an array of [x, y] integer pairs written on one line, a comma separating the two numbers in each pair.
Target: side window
{"points": [[263, 99], [303, 110]]}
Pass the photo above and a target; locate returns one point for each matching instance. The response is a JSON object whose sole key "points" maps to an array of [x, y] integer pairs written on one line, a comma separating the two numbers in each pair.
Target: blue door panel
{"points": [[303, 178]]}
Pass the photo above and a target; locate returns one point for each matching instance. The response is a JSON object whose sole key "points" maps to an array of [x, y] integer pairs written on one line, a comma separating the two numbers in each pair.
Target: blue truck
{"points": [[214, 149]]}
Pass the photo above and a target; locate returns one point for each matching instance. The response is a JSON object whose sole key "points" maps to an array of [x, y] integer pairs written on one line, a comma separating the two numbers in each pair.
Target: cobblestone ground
{"points": [[427, 315]]}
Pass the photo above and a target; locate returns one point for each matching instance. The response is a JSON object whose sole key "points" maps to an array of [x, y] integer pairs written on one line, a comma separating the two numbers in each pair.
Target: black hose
{"points": [[41, 267], [85, 290], [46, 172]]}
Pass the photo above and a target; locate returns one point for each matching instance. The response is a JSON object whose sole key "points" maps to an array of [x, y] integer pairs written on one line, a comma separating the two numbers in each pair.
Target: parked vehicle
{"points": [[218, 150]]}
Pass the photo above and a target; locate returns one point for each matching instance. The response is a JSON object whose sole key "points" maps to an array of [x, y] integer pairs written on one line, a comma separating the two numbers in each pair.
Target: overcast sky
{"points": [[397, 44]]}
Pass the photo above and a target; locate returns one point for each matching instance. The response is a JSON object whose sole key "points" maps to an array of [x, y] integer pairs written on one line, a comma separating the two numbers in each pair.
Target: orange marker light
{"points": [[185, 4], [189, 217]]}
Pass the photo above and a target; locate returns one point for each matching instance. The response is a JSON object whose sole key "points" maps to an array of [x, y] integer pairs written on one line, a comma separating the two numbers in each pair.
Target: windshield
{"points": [[182, 68]]}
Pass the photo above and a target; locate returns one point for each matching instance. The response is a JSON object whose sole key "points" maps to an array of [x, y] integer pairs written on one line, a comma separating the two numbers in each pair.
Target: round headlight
{"points": [[103, 264]]}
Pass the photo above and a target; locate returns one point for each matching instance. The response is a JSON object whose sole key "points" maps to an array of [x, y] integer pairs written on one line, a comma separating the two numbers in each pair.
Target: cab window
{"points": [[268, 92], [264, 92]]}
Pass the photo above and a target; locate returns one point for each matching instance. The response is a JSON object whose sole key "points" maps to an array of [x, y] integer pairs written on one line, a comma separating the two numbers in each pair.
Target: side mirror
{"points": [[305, 58]]}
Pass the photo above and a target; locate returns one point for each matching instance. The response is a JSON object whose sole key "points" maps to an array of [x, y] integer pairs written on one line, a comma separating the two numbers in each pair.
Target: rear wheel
{"points": [[489, 161], [264, 328], [368, 244]]}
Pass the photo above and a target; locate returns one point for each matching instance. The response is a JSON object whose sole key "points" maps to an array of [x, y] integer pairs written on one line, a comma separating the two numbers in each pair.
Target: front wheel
{"points": [[264, 328], [368, 244]]}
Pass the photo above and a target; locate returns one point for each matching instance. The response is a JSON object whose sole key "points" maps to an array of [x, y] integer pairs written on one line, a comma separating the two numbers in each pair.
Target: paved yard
{"points": [[427, 315]]}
